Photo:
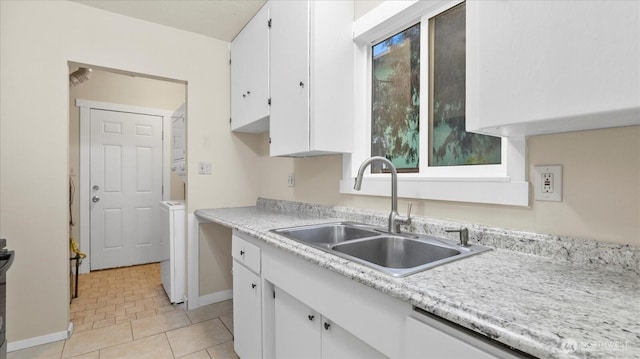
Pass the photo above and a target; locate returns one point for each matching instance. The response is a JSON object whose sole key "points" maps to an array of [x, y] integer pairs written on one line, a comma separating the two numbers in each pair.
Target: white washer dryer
{"points": [[173, 268]]}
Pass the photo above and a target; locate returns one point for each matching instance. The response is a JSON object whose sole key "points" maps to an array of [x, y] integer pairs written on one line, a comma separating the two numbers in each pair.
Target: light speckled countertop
{"points": [[541, 305]]}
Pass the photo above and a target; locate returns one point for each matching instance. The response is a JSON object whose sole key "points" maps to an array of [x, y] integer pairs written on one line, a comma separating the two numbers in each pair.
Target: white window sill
{"points": [[491, 190]]}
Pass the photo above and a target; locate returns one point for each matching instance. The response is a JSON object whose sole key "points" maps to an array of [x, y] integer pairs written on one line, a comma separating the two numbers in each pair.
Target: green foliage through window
{"points": [[395, 123], [395, 105], [450, 144]]}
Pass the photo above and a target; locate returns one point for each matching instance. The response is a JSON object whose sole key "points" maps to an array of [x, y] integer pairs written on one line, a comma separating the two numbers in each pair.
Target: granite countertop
{"points": [[541, 305]]}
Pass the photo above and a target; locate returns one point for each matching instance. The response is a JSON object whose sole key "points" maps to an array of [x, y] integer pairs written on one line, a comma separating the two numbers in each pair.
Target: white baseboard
{"points": [[215, 297], [44, 339]]}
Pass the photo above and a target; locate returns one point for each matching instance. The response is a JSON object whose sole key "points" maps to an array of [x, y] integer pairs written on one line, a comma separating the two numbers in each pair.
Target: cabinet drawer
{"points": [[246, 253]]}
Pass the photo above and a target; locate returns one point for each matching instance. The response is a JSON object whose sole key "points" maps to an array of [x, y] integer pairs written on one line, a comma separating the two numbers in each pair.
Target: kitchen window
{"points": [[410, 108], [449, 143]]}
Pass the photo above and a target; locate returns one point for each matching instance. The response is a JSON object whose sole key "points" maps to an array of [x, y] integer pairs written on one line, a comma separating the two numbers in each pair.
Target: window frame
{"points": [[495, 184]]}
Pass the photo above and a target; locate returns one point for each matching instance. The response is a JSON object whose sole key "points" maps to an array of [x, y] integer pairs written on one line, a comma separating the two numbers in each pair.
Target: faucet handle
{"points": [[464, 235], [395, 220]]}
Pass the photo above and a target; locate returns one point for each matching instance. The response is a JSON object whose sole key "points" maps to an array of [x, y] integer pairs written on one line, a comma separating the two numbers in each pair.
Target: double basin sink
{"points": [[396, 254]]}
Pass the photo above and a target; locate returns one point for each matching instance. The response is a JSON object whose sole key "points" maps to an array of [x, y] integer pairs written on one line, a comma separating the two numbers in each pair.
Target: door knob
{"points": [[95, 199]]}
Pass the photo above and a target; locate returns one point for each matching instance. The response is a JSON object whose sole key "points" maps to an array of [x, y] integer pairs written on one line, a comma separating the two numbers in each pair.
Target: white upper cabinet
{"points": [[537, 67], [311, 77], [250, 76]]}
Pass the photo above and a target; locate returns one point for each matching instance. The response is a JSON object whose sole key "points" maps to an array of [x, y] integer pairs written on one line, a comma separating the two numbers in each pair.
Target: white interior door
{"points": [[126, 188]]}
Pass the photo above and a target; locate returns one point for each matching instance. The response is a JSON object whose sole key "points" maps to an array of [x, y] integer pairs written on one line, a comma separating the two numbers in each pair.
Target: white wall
{"points": [[37, 39], [601, 184], [215, 259]]}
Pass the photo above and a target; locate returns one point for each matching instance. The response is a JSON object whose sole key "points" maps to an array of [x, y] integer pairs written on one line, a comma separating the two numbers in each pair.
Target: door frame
{"points": [[85, 159]]}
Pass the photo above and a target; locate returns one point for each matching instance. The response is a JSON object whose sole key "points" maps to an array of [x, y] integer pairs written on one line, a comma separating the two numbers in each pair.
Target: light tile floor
{"points": [[125, 313]]}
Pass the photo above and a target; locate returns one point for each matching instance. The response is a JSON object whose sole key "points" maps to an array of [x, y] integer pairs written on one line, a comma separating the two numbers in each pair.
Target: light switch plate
{"points": [[204, 168], [548, 183]]}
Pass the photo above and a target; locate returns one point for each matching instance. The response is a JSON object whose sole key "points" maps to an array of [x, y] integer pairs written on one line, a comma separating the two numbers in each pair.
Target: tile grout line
{"points": [[227, 328], [173, 353]]}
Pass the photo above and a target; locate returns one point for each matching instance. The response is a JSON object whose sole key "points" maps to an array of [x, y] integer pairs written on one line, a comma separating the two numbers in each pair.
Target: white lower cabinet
{"points": [[247, 304], [297, 328], [338, 343], [287, 307], [301, 332]]}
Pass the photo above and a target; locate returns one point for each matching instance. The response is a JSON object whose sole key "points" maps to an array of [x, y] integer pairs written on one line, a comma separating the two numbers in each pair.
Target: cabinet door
{"points": [[338, 343], [536, 67], [289, 77], [250, 76], [247, 313], [297, 328]]}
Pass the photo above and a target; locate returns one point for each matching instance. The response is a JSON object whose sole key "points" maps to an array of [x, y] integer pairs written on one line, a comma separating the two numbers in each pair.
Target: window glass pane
{"points": [[450, 144], [396, 100]]}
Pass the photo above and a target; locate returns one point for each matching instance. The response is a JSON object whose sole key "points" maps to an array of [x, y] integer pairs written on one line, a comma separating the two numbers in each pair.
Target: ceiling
{"points": [[220, 19]]}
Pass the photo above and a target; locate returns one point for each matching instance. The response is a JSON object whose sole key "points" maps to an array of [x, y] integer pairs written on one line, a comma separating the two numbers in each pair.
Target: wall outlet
{"points": [[291, 180], [548, 183], [204, 168]]}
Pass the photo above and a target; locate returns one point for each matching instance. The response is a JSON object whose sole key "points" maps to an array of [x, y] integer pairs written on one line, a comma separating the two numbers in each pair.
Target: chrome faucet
{"points": [[395, 220]]}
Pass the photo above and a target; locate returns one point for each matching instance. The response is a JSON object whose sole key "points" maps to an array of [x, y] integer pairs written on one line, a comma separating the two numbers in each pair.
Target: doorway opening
{"points": [[134, 105]]}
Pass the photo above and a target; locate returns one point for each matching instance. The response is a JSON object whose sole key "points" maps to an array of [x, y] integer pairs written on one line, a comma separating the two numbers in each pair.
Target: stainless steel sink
{"points": [[328, 234], [398, 255], [396, 252]]}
